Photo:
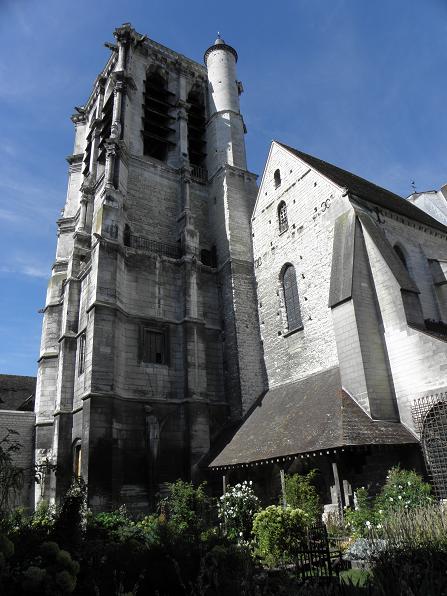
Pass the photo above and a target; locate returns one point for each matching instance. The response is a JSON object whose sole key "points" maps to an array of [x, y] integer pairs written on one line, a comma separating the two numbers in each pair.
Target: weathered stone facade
{"points": [[177, 307], [367, 310], [150, 342], [387, 357]]}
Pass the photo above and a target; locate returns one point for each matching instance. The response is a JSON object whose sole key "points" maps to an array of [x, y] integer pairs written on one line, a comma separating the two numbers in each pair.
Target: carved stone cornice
{"points": [[78, 118], [75, 158], [87, 189], [124, 34]]}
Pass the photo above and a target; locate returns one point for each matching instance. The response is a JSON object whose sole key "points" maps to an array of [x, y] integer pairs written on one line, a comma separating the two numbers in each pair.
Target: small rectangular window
{"points": [[154, 346], [81, 354]]}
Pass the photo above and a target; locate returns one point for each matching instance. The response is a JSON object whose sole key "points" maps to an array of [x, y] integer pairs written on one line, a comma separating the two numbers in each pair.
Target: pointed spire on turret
{"points": [[220, 44], [219, 40]]}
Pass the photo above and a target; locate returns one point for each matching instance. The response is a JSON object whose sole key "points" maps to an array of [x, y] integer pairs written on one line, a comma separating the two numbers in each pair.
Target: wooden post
{"points": [[224, 484], [283, 488], [338, 490]]}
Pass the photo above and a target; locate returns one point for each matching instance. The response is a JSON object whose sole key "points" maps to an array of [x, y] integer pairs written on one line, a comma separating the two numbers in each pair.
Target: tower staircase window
{"points": [[81, 354], [87, 154], [158, 130]]}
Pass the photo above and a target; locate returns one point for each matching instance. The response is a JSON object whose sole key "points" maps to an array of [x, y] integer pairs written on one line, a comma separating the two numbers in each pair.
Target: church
{"points": [[196, 326]]}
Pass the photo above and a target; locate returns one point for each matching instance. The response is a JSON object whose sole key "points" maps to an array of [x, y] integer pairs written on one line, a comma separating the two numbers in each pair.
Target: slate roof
{"points": [[16, 391], [309, 415], [344, 255], [367, 190]]}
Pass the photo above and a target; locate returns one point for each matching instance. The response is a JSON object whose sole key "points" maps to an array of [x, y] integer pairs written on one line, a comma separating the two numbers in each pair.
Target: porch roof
{"points": [[308, 415]]}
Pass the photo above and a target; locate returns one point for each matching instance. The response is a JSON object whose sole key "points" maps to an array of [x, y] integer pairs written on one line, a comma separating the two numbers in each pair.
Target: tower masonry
{"points": [[150, 343]]}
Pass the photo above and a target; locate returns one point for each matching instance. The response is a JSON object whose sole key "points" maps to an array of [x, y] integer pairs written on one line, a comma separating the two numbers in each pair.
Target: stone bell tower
{"points": [[150, 341]]}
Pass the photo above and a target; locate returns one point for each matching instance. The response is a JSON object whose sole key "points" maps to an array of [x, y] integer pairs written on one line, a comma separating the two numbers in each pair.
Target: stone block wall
{"points": [[307, 244]]}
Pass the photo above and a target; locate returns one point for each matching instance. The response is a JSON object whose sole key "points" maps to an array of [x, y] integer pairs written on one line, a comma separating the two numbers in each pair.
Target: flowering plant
{"points": [[404, 489], [236, 509], [362, 518]]}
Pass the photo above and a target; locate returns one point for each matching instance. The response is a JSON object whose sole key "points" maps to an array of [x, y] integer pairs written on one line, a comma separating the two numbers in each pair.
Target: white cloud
{"points": [[28, 267]]}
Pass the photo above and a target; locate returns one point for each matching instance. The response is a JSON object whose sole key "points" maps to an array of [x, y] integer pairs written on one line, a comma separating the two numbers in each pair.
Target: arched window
{"points": [[196, 128], [282, 217], [291, 299], [77, 459], [158, 122], [277, 178], [400, 254]]}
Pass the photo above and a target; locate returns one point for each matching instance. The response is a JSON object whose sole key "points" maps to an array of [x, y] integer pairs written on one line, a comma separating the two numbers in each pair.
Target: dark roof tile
{"points": [[367, 190]]}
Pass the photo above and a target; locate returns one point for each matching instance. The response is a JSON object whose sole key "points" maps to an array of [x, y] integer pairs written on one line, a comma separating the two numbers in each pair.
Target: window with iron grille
{"points": [[81, 354], [282, 217], [291, 299], [154, 346]]}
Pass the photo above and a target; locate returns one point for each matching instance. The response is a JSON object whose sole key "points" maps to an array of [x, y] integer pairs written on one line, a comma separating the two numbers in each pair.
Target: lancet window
{"points": [[106, 127], [158, 128], [291, 299], [196, 128]]}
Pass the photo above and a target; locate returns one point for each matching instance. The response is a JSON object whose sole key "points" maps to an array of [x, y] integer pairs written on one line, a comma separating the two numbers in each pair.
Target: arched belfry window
{"points": [[196, 128], [291, 299], [400, 254], [277, 178], [282, 217], [158, 128]]}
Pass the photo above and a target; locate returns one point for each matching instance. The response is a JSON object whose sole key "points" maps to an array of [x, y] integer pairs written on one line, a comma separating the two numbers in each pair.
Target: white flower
{"points": [[391, 499], [368, 523], [400, 497]]}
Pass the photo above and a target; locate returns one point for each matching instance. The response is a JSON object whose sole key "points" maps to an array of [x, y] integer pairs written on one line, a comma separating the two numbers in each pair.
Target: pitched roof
{"points": [[311, 414], [367, 190], [15, 391]]}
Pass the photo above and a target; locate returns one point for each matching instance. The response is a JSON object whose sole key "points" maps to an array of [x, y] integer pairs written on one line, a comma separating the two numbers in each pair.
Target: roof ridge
{"points": [[365, 189]]}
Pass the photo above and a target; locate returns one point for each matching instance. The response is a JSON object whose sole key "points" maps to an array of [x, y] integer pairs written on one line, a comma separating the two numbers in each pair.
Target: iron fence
{"points": [[148, 245], [430, 419]]}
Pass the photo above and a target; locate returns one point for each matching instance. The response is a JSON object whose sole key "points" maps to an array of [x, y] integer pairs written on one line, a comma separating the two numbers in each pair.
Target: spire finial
{"points": [[219, 39]]}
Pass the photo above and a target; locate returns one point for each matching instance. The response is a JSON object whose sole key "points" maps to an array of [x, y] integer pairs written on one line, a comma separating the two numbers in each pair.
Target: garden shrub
{"points": [[279, 534], [362, 518], [236, 509], [301, 493], [187, 508], [69, 524], [404, 489], [11, 475]]}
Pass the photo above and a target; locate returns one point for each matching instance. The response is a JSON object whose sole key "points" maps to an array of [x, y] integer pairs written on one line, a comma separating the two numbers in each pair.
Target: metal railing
{"points": [[199, 173], [148, 245]]}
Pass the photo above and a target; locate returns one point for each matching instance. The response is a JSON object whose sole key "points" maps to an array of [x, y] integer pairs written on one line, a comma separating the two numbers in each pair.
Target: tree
{"points": [[11, 475]]}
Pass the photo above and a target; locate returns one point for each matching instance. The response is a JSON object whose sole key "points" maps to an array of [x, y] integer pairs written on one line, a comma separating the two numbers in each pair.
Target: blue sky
{"points": [[359, 83]]}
